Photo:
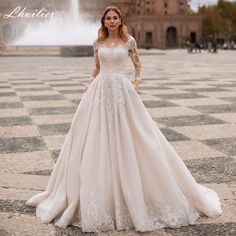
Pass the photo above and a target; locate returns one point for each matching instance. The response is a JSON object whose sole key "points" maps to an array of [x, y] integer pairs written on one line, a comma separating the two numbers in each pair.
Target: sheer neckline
{"points": [[112, 45]]}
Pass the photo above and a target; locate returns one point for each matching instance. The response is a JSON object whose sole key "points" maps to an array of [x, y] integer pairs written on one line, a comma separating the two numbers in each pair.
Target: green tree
{"points": [[219, 21]]}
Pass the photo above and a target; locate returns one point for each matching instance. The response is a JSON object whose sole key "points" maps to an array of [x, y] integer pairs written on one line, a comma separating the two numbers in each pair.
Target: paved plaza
{"points": [[191, 97]]}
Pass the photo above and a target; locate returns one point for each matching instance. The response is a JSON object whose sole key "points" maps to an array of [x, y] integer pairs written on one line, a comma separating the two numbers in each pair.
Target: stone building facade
{"points": [[161, 23], [154, 23]]}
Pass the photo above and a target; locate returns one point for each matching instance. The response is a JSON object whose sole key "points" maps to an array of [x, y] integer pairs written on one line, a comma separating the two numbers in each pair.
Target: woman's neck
{"points": [[113, 35]]}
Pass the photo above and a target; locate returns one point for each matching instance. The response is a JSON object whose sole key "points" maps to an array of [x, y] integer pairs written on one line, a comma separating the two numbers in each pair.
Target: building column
{"points": [[142, 35], [179, 35], [163, 37], [157, 36]]}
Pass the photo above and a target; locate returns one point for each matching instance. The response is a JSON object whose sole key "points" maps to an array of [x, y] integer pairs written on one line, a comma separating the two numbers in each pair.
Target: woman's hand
{"points": [[136, 84], [90, 81]]}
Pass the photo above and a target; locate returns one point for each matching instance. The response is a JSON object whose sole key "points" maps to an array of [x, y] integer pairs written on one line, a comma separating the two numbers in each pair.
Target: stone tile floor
{"points": [[191, 97]]}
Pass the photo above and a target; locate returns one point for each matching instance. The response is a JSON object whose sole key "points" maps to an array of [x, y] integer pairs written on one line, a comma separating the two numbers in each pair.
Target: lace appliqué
{"points": [[93, 221], [97, 220], [112, 93], [132, 47], [160, 217]]}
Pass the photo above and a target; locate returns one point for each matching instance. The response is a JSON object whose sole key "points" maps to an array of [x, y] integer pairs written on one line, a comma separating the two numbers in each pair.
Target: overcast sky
{"points": [[195, 3]]}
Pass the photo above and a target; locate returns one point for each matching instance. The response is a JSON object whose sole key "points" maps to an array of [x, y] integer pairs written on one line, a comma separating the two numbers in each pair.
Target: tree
{"points": [[219, 21]]}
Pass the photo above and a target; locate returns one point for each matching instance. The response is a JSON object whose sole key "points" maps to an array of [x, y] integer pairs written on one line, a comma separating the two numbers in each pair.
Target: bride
{"points": [[116, 170]]}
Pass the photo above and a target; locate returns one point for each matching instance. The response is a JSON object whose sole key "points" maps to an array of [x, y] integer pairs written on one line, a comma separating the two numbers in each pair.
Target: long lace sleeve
{"points": [[133, 54], [96, 68]]}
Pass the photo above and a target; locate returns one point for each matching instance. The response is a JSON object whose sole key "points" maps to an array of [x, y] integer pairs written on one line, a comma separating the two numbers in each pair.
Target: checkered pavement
{"points": [[192, 98]]}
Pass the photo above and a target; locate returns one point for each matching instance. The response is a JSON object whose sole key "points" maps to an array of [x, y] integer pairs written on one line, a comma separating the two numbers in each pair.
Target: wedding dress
{"points": [[116, 170]]}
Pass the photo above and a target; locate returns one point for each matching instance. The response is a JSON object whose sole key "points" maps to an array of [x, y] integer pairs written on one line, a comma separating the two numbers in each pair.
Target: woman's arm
{"points": [[133, 54], [96, 68]]}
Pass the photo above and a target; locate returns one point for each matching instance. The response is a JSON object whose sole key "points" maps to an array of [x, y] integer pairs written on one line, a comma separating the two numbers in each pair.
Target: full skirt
{"points": [[116, 170]]}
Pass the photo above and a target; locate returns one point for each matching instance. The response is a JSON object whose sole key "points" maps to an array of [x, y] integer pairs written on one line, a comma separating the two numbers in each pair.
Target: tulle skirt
{"points": [[116, 170]]}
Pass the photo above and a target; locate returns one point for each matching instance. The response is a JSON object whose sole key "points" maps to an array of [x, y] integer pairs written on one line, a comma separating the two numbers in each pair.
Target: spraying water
{"points": [[63, 29]]}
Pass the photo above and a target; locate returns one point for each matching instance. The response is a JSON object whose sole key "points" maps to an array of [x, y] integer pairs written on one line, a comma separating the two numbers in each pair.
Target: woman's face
{"points": [[112, 21]]}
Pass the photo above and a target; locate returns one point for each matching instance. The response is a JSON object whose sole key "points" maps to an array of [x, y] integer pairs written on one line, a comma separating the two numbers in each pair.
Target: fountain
{"points": [[69, 30]]}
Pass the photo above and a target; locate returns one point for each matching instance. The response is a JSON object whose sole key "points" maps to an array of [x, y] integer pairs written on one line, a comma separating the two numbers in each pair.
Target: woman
{"points": [[116, 170]]}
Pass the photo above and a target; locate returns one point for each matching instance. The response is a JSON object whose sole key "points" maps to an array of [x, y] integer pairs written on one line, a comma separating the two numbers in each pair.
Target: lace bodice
{"points": [[113, 58], [111, 87]]}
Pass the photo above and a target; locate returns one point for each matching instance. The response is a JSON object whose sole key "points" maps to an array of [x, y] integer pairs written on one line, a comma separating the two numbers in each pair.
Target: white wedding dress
{"points": [[116, 170]]}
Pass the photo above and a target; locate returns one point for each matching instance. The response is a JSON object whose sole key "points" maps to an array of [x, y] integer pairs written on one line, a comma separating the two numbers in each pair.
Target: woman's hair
{"points": [[123, 31]]}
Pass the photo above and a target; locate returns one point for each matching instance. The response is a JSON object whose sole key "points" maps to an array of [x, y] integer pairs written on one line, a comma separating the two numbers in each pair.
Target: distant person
{"points": [[189, 47], [198, 47], [232, 45], [209, 46], [225, 46], [214, 47]]}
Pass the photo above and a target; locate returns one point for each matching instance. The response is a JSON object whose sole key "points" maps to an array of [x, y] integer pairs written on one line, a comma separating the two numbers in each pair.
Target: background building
{"points": [[161, 23], [154, 23]]}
